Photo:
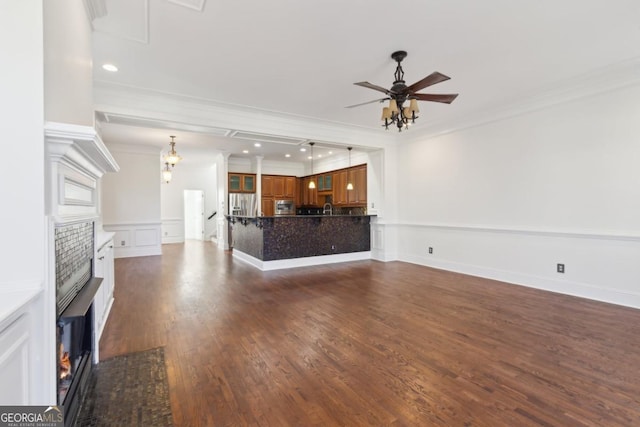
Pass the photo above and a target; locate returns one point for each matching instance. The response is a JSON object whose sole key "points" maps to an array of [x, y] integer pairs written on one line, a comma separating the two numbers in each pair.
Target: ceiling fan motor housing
{"points": [[399, 55]]}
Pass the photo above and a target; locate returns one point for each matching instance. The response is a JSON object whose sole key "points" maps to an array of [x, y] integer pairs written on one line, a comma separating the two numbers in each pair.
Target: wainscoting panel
{"points": [[136, 239], [597, 266], [172, 230], [383, 240], [14, 362]]}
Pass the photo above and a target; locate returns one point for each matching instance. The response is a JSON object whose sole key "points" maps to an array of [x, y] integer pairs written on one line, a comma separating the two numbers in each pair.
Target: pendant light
{"points": [[349, 184], [166, 173], [312, 183], [172, 156]]}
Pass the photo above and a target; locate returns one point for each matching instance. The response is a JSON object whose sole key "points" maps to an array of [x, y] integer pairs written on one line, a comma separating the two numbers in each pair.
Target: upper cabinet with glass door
{"points": [[242, 182]]}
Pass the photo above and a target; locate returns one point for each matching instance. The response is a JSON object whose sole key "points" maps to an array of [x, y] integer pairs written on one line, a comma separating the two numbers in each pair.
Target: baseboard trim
{"points": [[136, 252], [300, 262], [566, 287]]}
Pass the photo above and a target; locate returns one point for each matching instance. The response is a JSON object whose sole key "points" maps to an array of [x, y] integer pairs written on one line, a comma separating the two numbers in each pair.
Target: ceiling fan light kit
{"points": [[396, 113]]}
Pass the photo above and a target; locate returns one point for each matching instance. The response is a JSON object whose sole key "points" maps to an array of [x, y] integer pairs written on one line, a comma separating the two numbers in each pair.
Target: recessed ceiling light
{"points": [[257, 144], [319, 155], [309, 157], [287, 155], [245, 151], [110, 67], [330, 152], [303, 149]]}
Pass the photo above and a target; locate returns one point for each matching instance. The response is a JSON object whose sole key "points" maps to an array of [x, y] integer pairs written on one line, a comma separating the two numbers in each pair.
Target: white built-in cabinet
{"points": [[103, 267]]}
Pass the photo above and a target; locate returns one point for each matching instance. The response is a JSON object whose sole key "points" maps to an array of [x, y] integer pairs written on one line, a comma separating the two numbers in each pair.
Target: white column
{"points": [[259, 183], [222, 231]]}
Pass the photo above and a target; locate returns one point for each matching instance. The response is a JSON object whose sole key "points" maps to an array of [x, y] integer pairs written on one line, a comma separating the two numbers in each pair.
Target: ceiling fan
{"points": [[396, 113]]}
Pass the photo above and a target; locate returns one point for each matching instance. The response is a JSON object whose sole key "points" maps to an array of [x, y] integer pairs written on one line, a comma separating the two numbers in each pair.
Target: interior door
{"points": [[194, 214]]}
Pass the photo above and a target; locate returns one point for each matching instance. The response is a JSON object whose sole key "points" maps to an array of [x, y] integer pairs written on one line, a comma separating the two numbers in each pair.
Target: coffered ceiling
{"points": [[301, 58]]}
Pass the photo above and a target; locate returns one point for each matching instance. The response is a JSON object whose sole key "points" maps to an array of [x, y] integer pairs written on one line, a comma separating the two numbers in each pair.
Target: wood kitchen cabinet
{"points": [[267, 186], [268, 207], [340, 187], [357, 175], [279, 186], [242, 183], [309, 196], [289, 187]]}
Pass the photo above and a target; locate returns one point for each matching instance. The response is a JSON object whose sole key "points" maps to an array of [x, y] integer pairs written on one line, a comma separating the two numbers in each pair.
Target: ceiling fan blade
{"points": [[368, 102], [446, 99], [372, 86], [431, 79]]}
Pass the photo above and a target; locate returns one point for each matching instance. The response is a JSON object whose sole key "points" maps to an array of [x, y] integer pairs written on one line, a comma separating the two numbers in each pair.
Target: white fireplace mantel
{"points": [[77, 159]]}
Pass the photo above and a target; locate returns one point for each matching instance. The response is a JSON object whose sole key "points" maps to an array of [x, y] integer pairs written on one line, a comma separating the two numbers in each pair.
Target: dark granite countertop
{"points": [[296, 216]]}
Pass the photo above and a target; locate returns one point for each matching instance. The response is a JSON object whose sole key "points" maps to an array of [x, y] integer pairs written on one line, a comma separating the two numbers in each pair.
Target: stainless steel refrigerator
{"points": [[243, 204]]}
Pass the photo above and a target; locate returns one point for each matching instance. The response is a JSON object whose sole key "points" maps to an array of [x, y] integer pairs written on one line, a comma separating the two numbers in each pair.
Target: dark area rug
{"points": [[128, 390]]}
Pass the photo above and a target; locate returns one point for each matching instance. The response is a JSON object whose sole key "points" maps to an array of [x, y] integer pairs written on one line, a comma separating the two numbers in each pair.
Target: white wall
{"points": [[68, 75], [189, 177], [22, 110], [511, 199], [131, 200], [133, 194]]}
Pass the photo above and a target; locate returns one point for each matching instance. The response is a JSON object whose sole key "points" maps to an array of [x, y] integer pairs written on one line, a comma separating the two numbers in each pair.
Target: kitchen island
{"points": [[290, 241]]}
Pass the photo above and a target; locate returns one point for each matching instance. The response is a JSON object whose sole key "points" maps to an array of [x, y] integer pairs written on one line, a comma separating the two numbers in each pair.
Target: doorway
{"points": [[194, 214]]}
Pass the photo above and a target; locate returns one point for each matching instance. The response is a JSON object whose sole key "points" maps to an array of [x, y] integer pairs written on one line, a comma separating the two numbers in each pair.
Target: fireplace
{"points": [[74, 343], [75, 291]]}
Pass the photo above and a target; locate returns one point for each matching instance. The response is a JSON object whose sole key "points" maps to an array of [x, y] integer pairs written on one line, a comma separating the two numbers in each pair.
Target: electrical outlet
{"points": [[430, 250], [333, 247], [121, 242], [560, 268]]}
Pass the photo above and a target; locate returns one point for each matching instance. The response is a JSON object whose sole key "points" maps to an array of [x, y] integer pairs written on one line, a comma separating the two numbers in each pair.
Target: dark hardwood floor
{"points": [[371, 343]]}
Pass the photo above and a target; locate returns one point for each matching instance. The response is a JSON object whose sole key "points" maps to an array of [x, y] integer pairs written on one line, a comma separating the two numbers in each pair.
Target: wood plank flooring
{"points": [[371, 343]]}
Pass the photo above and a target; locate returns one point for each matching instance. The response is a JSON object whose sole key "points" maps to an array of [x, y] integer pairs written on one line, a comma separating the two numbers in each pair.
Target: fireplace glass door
{"points": [[74, 352]]}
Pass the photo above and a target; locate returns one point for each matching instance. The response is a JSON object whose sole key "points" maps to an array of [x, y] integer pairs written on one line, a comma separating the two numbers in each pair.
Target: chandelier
{"points": [[166, 173], [172, 156]]}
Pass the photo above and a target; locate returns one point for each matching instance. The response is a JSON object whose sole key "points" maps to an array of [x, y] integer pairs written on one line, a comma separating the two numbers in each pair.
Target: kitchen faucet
{"points": [[327, 208]]}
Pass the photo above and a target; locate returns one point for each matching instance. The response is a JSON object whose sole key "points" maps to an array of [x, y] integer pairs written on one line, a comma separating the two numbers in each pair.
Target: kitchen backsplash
{"points": [[349, 211]]}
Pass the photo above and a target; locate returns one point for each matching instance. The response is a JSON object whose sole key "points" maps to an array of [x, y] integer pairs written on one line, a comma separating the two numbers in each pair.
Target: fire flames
{"points": [[64, 364]]}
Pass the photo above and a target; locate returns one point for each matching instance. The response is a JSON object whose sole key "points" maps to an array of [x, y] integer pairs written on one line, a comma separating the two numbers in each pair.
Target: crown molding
{"points": [[135, 149], [613, 77], [146, 104]]}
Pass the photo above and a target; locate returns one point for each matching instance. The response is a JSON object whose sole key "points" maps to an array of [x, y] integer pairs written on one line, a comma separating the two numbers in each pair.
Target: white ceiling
{"points": [[302, 57]]}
